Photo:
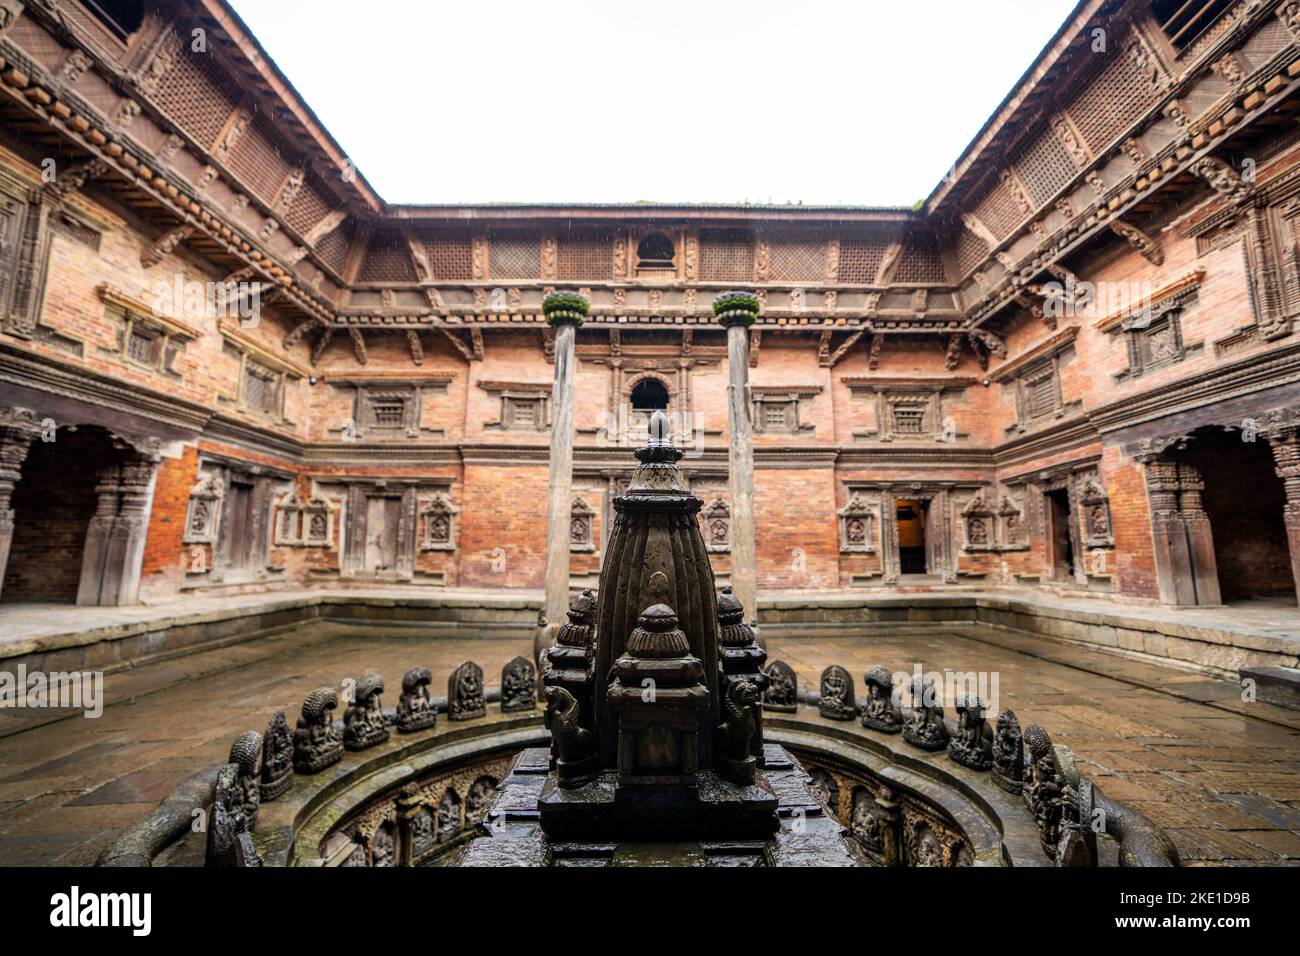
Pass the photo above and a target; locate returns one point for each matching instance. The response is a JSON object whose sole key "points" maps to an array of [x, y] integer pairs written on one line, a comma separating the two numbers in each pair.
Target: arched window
{"points": [[121, 17], [649, 394], [655, 251]]}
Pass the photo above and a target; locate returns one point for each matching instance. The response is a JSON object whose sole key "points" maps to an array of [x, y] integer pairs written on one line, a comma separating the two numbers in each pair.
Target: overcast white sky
{"points": [[857, 102]]}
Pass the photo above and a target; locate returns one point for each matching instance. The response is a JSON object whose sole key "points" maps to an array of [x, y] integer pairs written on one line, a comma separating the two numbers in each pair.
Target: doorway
{"points": [[237, 526], [913, 553], [1060, 541], [382, 517]]}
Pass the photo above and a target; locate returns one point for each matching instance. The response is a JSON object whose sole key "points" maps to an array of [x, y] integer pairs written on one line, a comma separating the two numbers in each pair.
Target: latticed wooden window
{"points": [[388, 259], [450, 254], [1044, 166], [970, 250], [920, 260], [260, 389], [860, 260], [198, 96], [389, 413], [798, 260], [333, 249], [585, 255], [142, 348], [312, 204], [514, 255], [1113, 94], [261, 160], [1040, 395], [997, 208], [726, 255]]}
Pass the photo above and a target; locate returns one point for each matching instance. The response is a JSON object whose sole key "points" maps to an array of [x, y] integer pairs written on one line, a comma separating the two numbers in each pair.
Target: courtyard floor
{"points": [[1221, 775]]}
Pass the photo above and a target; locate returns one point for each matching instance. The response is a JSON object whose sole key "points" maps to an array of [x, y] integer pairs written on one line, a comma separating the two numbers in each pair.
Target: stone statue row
{"points": [[261, 766], [1068, 810]]}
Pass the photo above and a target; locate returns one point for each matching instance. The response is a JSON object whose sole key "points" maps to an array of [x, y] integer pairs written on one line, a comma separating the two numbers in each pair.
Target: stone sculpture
{"points": [[246, 755], [924, 727], [465, 693], [575, 747], [363, 721], [733, 754], [742, 660], [880, 711], [972, 746], [230, 842], [837, 701], [1044, 787], [569, 659], [316, 742], [415, 709], [1008, 754], [518, 686], [277, 758], [782, 694]]}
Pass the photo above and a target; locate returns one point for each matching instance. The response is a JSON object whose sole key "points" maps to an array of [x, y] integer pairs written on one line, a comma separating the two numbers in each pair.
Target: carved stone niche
{"points": [[304, 523], [525, 407], [979, 524], [204, 513], [716, 519], [858, 525], [438, 524], [1011, 526], [582, 533], [1095, 503]]}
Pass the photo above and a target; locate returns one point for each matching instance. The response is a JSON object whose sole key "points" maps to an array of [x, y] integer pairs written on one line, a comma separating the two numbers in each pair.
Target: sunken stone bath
{"points": [[667, 738]]}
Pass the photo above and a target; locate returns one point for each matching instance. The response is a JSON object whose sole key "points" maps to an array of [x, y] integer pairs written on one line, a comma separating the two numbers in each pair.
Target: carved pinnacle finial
{"points": [[660, 447]]}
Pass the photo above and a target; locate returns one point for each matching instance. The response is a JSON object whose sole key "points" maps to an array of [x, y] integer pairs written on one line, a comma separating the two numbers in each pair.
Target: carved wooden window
{"points": [[857, 526], [1040, 395], [909, 419], [726, 255], [581, 526], [261, 388], [778, 416], [524, 414], [11, 218], [1184, 21], [717, 526], [656, 256], [143, 347]]}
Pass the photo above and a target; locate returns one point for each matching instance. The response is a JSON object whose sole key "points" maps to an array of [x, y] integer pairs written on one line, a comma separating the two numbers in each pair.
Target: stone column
{"points": [[736, 312], [115, 541], [18, 427], [1286, 457], [1169, 534], [564, 313], [1200, 536]]}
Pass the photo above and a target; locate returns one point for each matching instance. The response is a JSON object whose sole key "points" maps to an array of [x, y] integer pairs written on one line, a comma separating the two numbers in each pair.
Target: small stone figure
{"points": [[1078, 844], [363, 722], [230, 844], [865, 822], [1044, 787], [925, 727], [568, 662], [246, 754], [973, 744], [518, 686], [277, 758], [316, 743], [465, 693], [929, 852], [837, 694], [879, 711], [733, 756], [415, 710], [741, 659], [574, 746], [782, 694], [1008, 754]]}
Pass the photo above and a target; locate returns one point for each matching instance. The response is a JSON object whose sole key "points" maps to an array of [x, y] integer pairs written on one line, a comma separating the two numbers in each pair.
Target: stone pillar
{"points": [[736, 312], [1200, 536], [1187, 573], [18, 427], [564, 313], [1286, 457]]}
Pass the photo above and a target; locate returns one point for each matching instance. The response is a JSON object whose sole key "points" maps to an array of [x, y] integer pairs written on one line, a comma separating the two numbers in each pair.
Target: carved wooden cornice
{"points": [[261, 353], [1043, 350], [1176, 290], [112, 295]]}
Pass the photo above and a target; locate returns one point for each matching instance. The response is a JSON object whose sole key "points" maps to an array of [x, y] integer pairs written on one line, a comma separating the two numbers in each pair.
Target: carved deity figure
{"points": [[573, 745], [837, 694], [415, 709], [316, 743], [1044, 787], [929, 851], [866, 821], [925, 727], [246, 754], [465, 693], [1008, 754], [277, 758], [972, 746], [880, 711], [518, 686], [782, 694], [363, 721], [230, 842]]}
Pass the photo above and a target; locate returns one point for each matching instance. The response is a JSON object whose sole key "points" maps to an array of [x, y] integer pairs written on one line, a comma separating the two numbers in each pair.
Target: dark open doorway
{"points": [[1060, 541], [913, 553]]}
